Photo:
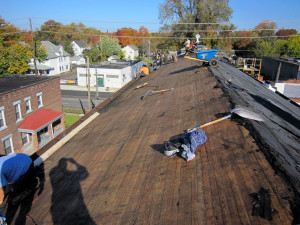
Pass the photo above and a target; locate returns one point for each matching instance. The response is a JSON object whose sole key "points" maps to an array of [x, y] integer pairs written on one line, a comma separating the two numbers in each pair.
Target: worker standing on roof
{"points": [[143, 72], [17, 171], [187, 45]]}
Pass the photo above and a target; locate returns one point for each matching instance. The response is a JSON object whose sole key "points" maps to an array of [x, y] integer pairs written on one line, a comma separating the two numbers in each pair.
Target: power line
{"points": [[151, 37]]}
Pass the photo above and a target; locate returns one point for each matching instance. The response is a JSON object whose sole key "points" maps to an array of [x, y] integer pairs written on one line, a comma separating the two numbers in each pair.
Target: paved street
{"points": [[72, 99]]}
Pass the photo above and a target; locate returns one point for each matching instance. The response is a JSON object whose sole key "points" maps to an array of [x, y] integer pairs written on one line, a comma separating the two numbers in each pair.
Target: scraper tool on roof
{"points": [[239, 111], [160, 91]]}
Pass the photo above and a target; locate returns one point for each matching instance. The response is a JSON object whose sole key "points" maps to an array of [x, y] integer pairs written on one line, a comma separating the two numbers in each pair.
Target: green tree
{"points": [[48, 31], [40, 52], [185, 18], [68, 48], [293, 47], [108, 47], [265, 48], [94, 54], [14, 58]]}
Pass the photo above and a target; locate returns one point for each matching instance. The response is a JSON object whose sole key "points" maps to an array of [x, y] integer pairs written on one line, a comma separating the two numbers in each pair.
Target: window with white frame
{"points": [[17, 106], [2, 119], [27, 104], [24, 137], [39, 99], [8, 145]]}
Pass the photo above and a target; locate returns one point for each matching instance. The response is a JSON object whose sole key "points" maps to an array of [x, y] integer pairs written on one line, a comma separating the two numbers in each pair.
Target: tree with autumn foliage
{"points": [[127, 36], [285, 33], [9, 32], [130, 36], [48, 31], [14, 58]]}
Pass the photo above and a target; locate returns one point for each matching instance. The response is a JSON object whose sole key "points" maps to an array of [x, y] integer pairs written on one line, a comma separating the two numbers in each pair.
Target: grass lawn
{"points": [[75, 111], [70, 119]]}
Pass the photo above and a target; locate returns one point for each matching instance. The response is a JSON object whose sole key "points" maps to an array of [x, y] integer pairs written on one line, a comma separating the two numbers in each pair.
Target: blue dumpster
{"points": [[207, 54]]}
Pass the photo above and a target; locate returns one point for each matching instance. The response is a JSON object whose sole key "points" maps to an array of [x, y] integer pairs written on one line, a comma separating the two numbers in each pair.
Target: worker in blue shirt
{"points": [[16, 170]]}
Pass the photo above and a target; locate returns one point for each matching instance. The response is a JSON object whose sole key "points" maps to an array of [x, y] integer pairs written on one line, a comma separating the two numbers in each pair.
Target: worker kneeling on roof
{"points": [[17, 171], [143, 72]]}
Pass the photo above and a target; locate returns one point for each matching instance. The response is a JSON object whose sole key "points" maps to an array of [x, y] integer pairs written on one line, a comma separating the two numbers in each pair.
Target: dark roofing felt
{"points": [[114, 170], [14, 82]]}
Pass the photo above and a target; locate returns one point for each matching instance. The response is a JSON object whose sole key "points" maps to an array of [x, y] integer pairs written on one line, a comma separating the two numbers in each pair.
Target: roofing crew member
{"points": [[143, 72], [187, 45], [17, 170]]}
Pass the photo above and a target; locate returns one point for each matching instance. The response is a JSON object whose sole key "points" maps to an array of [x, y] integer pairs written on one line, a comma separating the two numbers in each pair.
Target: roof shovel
{"points": [[150, 91], [239, 111]]}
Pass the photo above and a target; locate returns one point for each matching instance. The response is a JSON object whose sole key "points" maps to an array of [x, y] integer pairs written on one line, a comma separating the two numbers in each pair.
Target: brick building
{"points": [[30, 112]]}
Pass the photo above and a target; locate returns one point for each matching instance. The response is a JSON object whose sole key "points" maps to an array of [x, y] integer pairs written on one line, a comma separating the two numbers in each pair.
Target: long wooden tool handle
{"points": [[164, 90], [209, 123]]}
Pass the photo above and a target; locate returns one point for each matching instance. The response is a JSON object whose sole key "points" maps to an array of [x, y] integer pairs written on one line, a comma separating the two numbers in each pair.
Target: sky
{"points": [[108, 15]]}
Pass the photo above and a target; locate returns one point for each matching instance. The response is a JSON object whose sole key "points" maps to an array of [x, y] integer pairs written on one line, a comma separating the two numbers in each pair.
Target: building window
{"points": [[24, 137], [8, 145], [2, 119], [39, 99], [67, 67], [27, 104], [18, 110]]}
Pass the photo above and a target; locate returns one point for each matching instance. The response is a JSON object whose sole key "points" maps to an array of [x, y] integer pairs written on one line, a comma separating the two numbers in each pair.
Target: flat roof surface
{"points": [[120, 65], [114, 170], [14, 82]]}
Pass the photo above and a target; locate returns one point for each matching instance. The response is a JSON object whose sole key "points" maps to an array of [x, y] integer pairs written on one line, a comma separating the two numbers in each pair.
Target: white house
{"points": [[77, 60], [131, 52], [78, 47], [109, 74], [58, 60]]}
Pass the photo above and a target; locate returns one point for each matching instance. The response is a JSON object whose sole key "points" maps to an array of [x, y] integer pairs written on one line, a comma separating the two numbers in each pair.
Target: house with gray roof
{"points": [[131, 52], [58, 60], [78, 47]]}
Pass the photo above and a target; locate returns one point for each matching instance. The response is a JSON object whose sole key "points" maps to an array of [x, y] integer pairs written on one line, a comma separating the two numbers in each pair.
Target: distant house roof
{"points": [[81, 44], [14, 82], [133, 47], [40, 67], [38, 120], [113, 57], [118, 64], [53, 50]]}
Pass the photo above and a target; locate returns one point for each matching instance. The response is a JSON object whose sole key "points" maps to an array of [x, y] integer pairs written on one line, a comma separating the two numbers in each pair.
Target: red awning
{"points": [[38, 120]]}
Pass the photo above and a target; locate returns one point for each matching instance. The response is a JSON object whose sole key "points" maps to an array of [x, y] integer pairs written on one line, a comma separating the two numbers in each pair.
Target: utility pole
{"points": [[89, 85], [149, 52], [33, 48], [97, 95], [101, 47], [278, 72]]}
